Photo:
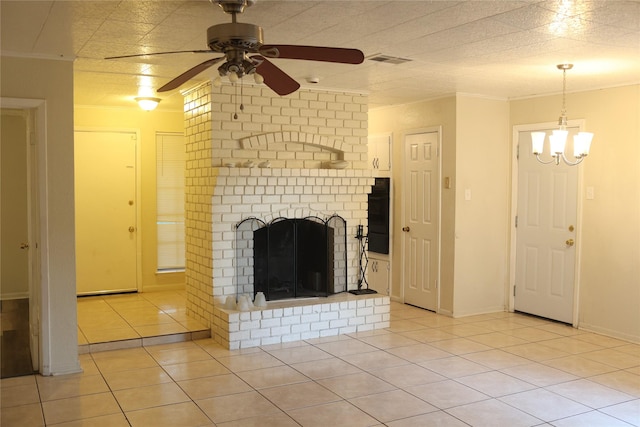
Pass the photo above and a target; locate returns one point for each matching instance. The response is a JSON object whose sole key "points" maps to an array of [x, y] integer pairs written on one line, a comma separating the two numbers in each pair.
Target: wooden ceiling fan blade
{"points": [[158, 53], [279, 81], [189, 74], [313, 53]]}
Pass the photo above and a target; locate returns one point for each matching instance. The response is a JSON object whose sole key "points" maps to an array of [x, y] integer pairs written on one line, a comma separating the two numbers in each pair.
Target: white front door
{"points": [[421, 220], [105, 198], [545, 235]]}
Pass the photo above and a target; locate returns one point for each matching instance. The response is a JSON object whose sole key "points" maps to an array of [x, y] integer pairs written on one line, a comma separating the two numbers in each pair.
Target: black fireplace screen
{"points": [[292, 257]]}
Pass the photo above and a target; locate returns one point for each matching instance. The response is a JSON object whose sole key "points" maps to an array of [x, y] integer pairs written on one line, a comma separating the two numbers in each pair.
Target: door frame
{"points": [[38, 227], [403, 210], [580, 124], [138, 189]]}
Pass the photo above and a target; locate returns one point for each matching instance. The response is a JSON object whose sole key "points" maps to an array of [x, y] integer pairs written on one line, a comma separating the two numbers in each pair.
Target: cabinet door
{"points": [[380, 152], [378, 275]]}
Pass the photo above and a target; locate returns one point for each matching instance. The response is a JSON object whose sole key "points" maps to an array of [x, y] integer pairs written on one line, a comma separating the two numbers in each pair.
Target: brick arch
{"points": [[260, 142]]}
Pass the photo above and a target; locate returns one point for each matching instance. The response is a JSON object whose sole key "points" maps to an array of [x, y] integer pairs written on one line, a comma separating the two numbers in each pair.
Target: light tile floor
{"points": [[499, 369], [126, 320]]}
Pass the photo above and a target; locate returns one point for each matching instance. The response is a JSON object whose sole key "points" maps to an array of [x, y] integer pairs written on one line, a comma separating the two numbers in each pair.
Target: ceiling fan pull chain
{"points": [[235, 103], [241, 95]]}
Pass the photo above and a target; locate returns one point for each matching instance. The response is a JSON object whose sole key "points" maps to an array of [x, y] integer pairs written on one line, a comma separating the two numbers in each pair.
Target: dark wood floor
{"points": [[15, 354]]}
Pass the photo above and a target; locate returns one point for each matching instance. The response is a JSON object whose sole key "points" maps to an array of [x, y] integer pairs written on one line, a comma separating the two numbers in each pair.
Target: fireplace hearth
{"points": [[289, 258]]}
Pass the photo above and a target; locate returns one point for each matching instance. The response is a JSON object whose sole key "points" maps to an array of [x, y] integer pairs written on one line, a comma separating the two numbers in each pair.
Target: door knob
{"points": [[570, 242], [406, 229], [132, 229], [24, 246]]}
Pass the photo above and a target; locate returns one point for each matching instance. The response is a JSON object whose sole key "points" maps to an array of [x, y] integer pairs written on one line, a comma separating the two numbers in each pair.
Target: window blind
{"points": [[170, 167]]}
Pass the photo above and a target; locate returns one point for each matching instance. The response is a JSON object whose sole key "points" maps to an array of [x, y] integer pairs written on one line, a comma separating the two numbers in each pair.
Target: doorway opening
{"points": [[19, 294]]}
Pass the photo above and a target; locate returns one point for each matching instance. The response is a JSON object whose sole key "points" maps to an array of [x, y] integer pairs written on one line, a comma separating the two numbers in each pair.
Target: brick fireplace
{"points": [[304, 140]]}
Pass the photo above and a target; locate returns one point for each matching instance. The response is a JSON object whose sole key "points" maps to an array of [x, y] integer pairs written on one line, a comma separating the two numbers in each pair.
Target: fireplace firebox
{"points": [[292, 257]]}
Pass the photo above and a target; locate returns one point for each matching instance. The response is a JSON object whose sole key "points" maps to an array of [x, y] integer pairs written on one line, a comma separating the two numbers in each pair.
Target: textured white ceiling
{"points": [[506, 49]]}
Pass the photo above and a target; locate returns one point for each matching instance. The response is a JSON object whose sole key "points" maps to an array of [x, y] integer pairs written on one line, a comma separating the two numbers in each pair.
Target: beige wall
{"points": [[147, 123], [403, 119], [482, 223], [609, 262], [52, 81], [475, 156]]}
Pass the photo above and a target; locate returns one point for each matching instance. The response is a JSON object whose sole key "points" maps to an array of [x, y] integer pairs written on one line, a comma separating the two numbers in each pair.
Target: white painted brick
{"points": [[291, 338], [374, 318], [238, 336], [365, 311], [300, 328], [347, 314], [328, 333], [354, 321], [271, 340], [331, 315], [249, 343], [365, 327], [309, 318], [379, 309], [348, 330], [334, 324], [281, 330], [317, 326], [270, 323], [310, 335], [260, 333], [290, 320]]}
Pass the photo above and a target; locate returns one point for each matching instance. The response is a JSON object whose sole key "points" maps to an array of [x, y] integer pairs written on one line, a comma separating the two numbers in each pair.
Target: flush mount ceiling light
{"points": [[558, 137], [147, 103]]}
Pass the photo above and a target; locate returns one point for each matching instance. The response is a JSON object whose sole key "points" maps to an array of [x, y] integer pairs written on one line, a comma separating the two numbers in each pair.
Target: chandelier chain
{"points": [[564, 92]]}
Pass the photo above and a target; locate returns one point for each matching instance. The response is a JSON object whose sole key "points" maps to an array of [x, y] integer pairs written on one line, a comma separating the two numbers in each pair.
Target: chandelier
{"points": [[558, 137]]}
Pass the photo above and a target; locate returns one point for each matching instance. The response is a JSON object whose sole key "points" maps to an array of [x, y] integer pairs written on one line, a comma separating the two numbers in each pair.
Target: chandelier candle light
{"points": [[558, 137]]}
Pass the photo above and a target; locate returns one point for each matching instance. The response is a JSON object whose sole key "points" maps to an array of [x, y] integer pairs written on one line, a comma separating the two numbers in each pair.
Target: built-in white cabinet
{"points": [[380, 152], [378, 275]]}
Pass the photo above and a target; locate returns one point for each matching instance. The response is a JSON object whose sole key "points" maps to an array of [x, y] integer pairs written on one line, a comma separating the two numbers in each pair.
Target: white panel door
{"points": [[421, 225], [545, 235], [105, 198]]}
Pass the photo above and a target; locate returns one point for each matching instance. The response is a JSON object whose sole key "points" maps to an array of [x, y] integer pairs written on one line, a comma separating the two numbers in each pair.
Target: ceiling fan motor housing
{"points": [[223, 37]]}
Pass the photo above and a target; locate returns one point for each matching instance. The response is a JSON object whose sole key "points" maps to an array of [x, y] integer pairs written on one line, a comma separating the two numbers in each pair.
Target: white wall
{"points": [[609, 263], [52, 81]]}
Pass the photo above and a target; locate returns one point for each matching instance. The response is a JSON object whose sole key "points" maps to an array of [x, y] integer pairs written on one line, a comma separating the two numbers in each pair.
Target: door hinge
{"points": [[516, 221], [518, 152], [514, 291]]}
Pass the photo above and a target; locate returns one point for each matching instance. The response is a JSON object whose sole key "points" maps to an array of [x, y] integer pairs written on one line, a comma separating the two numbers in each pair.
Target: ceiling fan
{"points": [[245, 53]]}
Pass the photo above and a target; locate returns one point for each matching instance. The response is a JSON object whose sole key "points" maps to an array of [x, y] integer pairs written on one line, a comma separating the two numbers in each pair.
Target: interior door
{"points": [[545, 234], [421, 220], [105, 207], [20, 314]]}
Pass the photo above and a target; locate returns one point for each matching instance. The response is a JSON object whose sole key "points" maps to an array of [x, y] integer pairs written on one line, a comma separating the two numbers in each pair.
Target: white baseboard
{"points": [[14, 295], [609, 332], [486, 310], [158, 288]]}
